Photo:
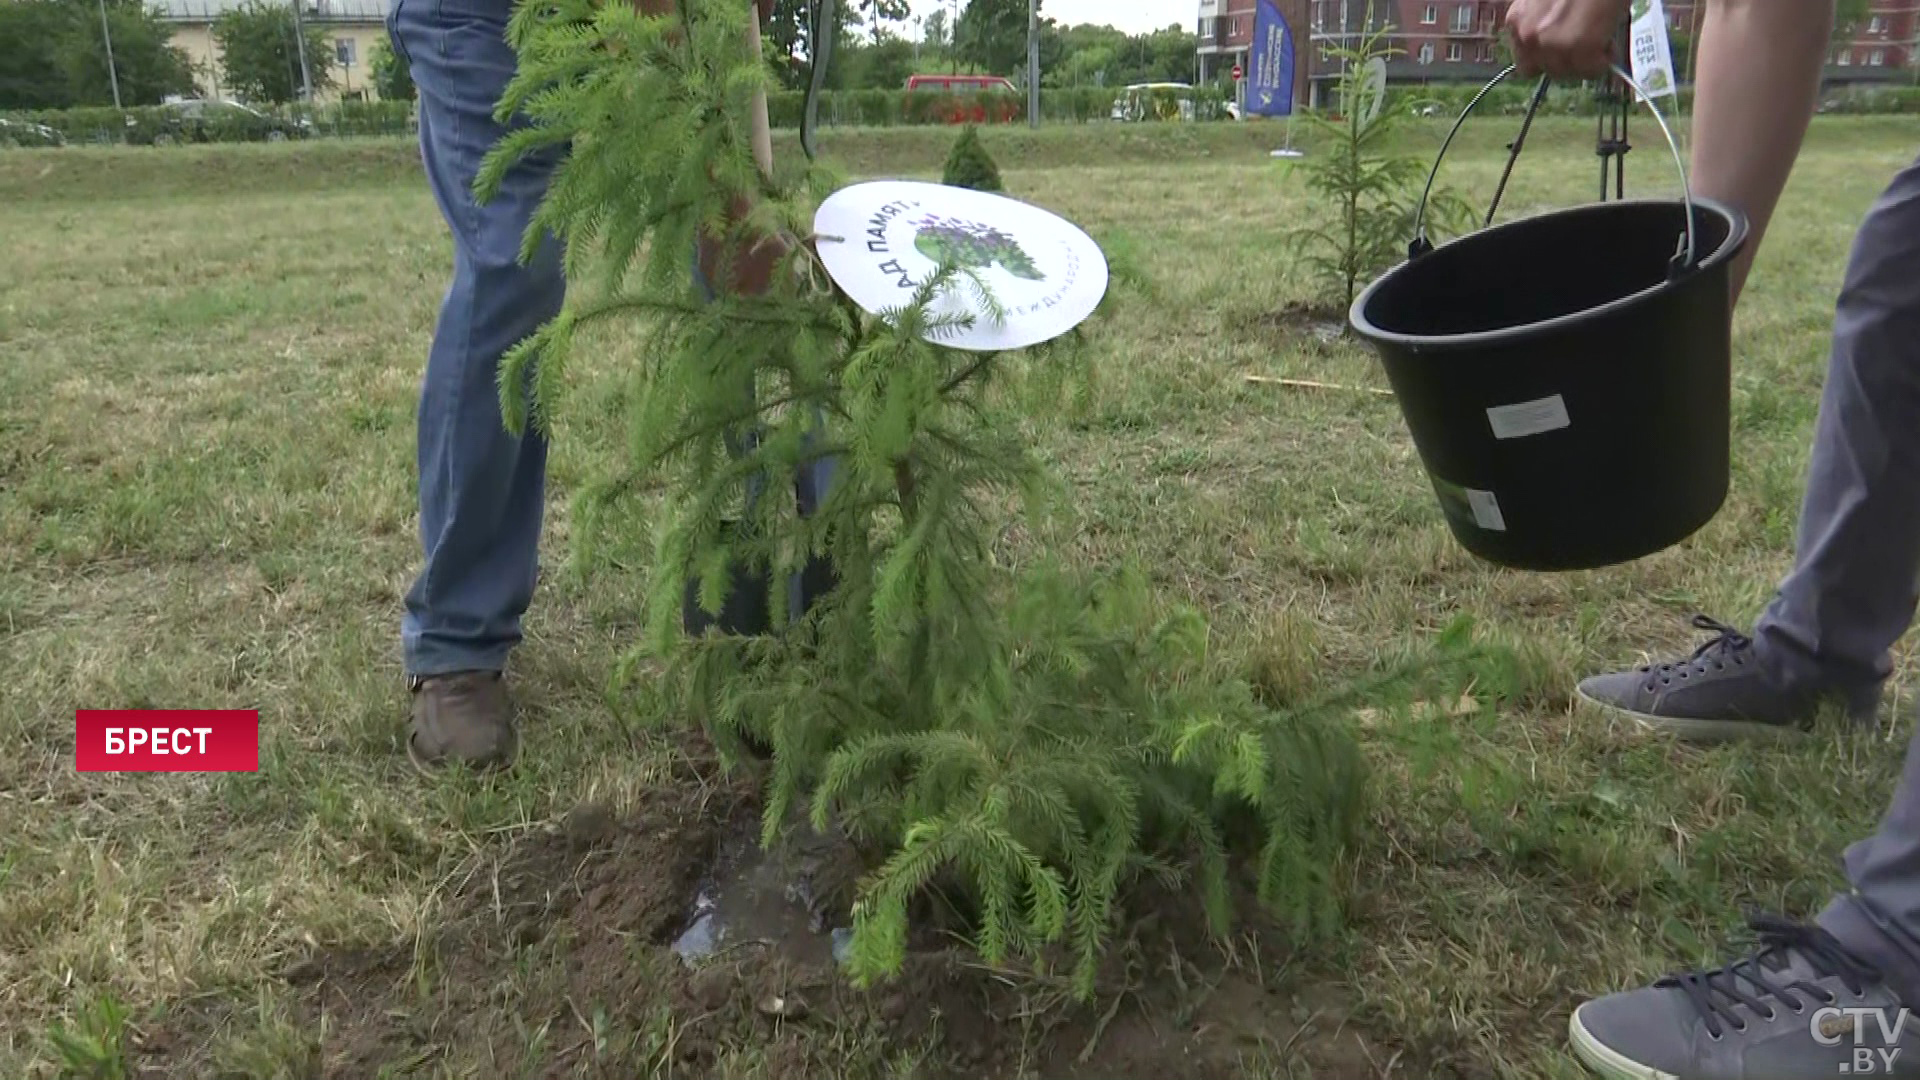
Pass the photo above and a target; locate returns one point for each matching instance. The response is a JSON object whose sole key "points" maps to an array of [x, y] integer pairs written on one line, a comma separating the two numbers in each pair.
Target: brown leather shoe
{"points": [[461, 717]]}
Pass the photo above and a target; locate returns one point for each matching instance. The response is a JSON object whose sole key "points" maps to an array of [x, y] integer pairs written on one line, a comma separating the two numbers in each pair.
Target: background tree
{"points": [[1848, 15], [783, 40], [391, 79], [1079, 55], [992, 34], [870, 55], [145, 61], [30, 72], [1165, 55], [882, 65], [853, 41], [260, 57], [786, 39], [1680, 42], [1089, 55], [53, 56], [1092, 66]]}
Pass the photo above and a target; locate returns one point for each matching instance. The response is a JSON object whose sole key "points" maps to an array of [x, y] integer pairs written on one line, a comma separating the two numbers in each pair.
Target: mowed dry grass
{"points": [[208, 365]]}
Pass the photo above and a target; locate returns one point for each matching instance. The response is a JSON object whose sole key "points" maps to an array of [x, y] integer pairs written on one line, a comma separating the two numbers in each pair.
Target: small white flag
{"points": [[1652, 52]]}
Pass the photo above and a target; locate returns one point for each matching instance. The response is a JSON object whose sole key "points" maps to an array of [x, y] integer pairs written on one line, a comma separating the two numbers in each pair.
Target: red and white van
{"points": [[984, 99], [960, 84]]}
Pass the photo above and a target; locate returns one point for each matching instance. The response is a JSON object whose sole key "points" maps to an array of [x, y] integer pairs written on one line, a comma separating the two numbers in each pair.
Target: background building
{"points": [[1880, 47], [352, 28], [1884, 43], [1459, 40], [1432, 40]]}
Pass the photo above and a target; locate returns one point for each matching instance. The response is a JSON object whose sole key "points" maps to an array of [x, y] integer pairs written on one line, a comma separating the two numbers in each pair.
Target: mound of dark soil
{"points": [[562, 957]]}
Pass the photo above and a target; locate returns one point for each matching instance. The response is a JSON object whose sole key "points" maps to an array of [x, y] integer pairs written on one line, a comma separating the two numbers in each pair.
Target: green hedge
{"points": [[158, 124], [84, 125], [351, 118], [895, 108], [1510, 99], [1873, 99], [878, 108], [838, 108]]}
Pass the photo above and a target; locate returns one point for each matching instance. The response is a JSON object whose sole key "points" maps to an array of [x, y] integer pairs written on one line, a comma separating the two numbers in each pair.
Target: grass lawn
{"points": [[208, 366]]}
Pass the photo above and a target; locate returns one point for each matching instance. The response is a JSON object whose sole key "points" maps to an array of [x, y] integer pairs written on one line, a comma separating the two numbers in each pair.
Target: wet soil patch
{"points": [[567, 955], [546, 948], [1321, 323]]}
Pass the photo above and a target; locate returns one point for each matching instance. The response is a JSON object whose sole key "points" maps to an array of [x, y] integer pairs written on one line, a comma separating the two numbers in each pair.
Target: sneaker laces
{"points": [[1750, 981], [1727, 645]]}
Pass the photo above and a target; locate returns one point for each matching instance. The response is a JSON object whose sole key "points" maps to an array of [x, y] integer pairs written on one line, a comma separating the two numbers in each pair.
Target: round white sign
{"points": [[1373, 91], [882, 240]]}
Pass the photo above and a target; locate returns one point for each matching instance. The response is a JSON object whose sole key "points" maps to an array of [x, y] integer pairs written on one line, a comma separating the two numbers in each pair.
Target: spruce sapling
{"points": [[1034, 740], [1370, 187]]}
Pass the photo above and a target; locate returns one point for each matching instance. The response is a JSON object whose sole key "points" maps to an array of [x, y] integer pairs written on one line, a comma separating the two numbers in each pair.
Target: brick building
{"points": [[1884, 42], [1880, 47], [1431, 40], [1458, 40]]}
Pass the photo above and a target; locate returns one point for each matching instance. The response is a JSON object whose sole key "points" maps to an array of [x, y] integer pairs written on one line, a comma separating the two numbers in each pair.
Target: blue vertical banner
{"points": [[1270, 68]]}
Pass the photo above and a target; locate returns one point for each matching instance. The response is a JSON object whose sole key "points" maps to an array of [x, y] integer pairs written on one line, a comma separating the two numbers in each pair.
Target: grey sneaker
{"points": [[1720, 692], [1801, 1007], [464, 717]]}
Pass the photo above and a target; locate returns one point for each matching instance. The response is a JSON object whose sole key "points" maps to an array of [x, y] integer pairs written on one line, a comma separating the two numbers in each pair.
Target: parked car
{"points": [[15, 134], [200, 120], [962, 84], [977, 99]]}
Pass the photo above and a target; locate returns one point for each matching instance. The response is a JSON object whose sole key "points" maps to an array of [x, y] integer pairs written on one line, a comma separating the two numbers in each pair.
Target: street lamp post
{"points": [[1033, 63], [300, 43], [106, 34]]}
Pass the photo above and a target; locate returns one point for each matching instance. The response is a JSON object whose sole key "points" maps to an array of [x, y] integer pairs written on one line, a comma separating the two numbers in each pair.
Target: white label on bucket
{"points": [[1486, 510], [1528, 418]]}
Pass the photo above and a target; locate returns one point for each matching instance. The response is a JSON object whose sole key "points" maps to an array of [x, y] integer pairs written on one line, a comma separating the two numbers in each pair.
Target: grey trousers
{"points": [[1853, 590], [1856, 582]]}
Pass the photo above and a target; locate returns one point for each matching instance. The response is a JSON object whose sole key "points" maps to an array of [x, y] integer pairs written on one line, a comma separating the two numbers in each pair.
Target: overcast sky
{"points": [[1132, 16]]}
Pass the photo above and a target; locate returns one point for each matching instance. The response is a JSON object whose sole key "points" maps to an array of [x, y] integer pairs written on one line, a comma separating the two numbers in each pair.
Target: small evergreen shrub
{"points": [[969, 165], [1031, 742]]}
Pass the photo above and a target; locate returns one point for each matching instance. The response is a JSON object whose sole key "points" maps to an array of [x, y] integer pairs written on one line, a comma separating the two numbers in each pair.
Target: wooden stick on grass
{"points": [[1309, 384]]}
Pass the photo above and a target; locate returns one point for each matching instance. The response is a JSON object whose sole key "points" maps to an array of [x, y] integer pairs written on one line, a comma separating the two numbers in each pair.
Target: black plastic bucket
{"points": [[1566, 378]]}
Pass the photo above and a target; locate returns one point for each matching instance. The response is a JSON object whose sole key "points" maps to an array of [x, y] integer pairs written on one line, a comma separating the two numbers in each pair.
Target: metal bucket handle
{"points": [[1421, 245]]}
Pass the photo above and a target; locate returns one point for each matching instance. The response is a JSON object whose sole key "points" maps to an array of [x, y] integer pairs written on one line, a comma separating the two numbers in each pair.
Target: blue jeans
{"points": [[482, 490]]}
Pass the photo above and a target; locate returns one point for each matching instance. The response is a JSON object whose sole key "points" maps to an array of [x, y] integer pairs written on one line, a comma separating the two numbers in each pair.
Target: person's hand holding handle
{"points": [[1564, 38], [1756, 71]]}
